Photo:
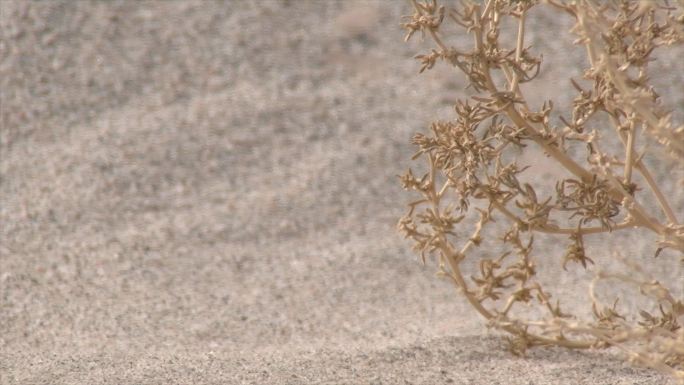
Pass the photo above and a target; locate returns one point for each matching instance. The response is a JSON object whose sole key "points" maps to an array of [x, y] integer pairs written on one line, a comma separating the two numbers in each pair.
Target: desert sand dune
{"points": [[206, 193]]}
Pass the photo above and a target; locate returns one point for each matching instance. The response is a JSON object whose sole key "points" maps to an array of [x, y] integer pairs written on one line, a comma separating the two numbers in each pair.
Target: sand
{"points": [[206, 193]]}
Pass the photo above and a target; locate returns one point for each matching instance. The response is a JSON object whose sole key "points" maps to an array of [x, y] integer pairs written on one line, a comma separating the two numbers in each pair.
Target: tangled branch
{"points": [[470, 168]]}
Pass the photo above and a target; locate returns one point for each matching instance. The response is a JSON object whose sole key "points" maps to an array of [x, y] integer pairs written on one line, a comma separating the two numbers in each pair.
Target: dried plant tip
{"points": [[472, 163]]}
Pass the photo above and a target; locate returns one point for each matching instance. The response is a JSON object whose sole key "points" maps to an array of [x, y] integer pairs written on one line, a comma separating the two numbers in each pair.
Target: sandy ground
{"points": [[206, 193]]}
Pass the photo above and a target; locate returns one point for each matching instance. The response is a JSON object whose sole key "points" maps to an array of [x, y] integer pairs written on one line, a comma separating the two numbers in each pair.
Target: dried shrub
{"points": [[472, 169]]}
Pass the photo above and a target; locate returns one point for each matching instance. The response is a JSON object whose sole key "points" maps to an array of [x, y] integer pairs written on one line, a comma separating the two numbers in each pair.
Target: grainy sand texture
{"points": [[206, 193]]}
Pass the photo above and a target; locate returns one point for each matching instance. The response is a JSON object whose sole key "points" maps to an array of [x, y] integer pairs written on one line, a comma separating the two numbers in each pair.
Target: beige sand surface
{"points": [[206, 193]]}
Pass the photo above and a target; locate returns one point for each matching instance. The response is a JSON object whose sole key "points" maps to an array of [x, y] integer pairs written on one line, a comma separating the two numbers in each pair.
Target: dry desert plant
{"points": [[472, 171]]}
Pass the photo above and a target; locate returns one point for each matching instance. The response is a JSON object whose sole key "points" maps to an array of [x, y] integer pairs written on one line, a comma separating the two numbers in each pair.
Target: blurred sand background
{"points": [[206, 193]]}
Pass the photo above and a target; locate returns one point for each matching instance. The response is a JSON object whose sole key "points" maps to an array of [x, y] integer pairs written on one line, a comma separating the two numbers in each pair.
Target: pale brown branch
{"points": [[476, 165]]}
